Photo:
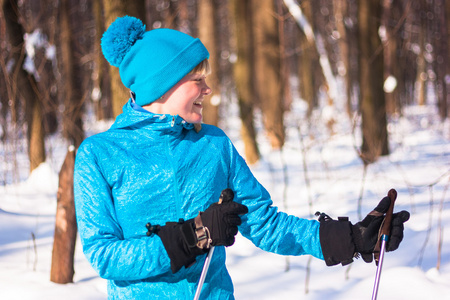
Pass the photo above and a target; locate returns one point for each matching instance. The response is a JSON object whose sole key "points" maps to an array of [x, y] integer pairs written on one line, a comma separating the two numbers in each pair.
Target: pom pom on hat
{"points": [[120, 37], [150, 62]]}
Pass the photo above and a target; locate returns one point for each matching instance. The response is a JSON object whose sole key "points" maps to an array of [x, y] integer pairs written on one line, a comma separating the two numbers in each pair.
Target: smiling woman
{"points": [[185, 98], [147, 220]]}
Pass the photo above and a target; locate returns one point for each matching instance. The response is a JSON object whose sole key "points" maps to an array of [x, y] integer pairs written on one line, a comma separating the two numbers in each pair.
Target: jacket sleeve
{"points": [[112, 256], [268, 228]]}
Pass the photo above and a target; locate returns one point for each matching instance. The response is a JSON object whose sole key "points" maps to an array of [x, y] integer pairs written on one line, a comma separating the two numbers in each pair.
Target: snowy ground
{"points": [[418, 168]]}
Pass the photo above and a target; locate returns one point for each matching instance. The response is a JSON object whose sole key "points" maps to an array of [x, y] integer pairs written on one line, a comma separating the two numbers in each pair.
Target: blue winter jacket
{"points": [[157, 168]]}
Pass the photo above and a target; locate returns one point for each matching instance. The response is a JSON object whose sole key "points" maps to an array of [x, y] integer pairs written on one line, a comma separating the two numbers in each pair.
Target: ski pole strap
{"points": [[203, 235], [202, 232], [385, 228]]}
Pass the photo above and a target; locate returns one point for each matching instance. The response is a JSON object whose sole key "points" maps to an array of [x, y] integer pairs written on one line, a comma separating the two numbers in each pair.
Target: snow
{"points": [[418, 168], [33, 41], [390, 84]]}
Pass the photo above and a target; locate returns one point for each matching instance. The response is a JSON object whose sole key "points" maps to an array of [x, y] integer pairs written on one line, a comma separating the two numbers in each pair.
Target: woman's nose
{"points": [[206, 90]]}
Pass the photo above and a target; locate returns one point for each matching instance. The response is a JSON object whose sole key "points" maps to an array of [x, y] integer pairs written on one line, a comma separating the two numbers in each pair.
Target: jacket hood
{"points": [[133, 118]]}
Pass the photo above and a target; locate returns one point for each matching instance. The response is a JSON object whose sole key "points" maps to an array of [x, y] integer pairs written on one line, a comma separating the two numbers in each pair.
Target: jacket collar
{"points": [[134, 116]]}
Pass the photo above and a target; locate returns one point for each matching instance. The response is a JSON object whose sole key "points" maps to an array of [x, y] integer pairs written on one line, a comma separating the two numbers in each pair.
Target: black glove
{"points": [[365, 232], [341, 241], [185, 240], [222, 219], [181, 251]]}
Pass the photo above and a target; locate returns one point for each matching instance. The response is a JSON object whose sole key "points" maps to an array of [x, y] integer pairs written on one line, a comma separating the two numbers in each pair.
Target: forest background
{"points": [[371, 58]]}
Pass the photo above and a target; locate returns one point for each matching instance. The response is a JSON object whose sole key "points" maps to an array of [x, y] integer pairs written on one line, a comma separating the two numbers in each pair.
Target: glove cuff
{"points": [[180, 243], [336, 241]]}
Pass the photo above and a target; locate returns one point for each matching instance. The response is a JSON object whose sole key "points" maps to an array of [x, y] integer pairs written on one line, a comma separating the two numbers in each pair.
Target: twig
{"points": [[347, 272], [285, 202], [33, 239], [305, 171], [361, 192], [430, 220], [308, 274], [310, 202], [284, 194], [441, 228]]}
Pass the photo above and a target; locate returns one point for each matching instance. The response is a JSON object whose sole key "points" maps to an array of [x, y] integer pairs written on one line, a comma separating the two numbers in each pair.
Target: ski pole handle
{"points": [[385, 229], [383, 237]]}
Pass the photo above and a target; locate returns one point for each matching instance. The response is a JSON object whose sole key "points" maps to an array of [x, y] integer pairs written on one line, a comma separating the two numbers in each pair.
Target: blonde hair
{"points": [[203, 68]]}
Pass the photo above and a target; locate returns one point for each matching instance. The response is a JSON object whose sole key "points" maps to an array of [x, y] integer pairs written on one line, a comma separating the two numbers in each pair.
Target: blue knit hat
{"points": [[150, 62]]}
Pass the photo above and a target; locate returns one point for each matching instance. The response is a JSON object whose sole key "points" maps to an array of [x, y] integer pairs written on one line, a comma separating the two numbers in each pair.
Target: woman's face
{"points": [[186, 98]]}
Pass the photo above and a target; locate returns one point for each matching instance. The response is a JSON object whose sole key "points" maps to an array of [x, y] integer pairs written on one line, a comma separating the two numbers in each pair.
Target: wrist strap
{"points": [[203, 235]]}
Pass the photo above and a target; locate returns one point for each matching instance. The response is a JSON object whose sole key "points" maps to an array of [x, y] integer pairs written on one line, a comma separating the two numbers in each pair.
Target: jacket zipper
{"points": [[175, 179], [187, 288]]}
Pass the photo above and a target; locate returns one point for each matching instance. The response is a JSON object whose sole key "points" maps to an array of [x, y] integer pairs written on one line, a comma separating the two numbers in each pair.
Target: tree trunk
{"points": [[62, 269], [446, 88], [101, 97], [207, 26], [44, 21], [353, 64], [393, 20], [35, 132], [373, 108], [114, 9], [24, 85], [243, 70], [267, 70], [308, 64], [71, 72], [443, 59], [182, 17], [341, 14], [421, 75], [119, 93], [407, 61]]}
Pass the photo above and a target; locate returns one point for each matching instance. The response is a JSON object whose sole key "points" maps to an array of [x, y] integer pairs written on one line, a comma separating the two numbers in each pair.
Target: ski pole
{"points": [[228, 197], [380, 250], [204, 272]]}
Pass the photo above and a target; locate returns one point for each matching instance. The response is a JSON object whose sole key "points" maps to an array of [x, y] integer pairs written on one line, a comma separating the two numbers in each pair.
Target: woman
{"points": [[154, 167]]}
